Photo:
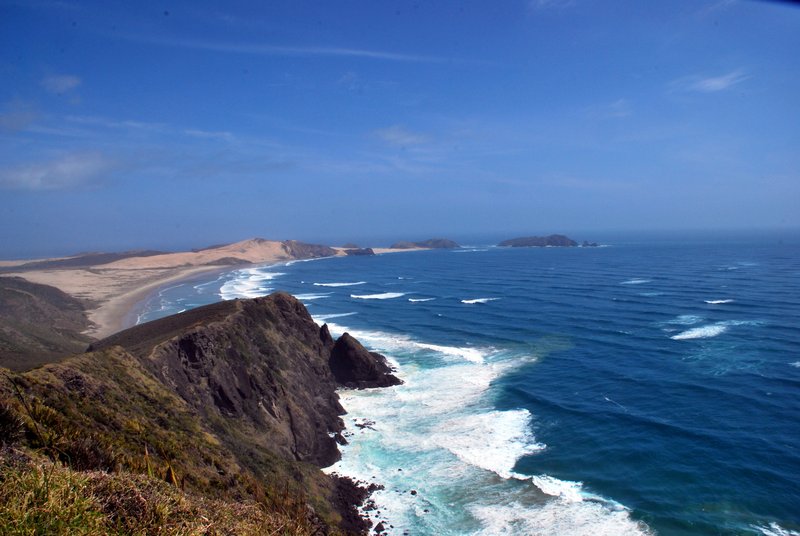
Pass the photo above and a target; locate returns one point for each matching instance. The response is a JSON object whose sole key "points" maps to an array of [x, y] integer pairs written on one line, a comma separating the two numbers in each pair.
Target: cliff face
{"points": [[234, 392]]}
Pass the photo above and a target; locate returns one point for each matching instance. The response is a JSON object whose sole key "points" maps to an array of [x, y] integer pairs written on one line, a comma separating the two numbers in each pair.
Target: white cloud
{"points": [[60, 83], [710, 84], [208, 134], [399, 135], [538, 5], [263, 49], [68, 171]]}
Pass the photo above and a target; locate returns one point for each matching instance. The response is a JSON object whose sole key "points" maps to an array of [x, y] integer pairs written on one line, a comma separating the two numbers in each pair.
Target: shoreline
{"points": [[110, 296], [126, 311], [116, 293]]}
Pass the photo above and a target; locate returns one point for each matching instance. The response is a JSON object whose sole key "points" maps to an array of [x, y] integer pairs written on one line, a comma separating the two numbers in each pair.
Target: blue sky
{"points": [[182, 124]]}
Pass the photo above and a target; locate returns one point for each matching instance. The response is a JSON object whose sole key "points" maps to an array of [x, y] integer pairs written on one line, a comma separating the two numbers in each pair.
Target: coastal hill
{"points": [[38, 324], [226, 412], [554, 240], [433, 243], [254, 250], [109, 285]]}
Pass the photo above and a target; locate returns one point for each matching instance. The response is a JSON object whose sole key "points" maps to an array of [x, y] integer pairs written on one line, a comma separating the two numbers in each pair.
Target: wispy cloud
{"points": [[710, 84], [400, 136], [115, 123], [60, 83], [65, 172], [539, 5], [613, 110], [207, 134], [263, 49], [716, 6]]}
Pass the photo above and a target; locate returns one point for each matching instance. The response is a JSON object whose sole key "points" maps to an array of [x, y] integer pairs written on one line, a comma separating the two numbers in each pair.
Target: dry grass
{"points": [[40, 497]]}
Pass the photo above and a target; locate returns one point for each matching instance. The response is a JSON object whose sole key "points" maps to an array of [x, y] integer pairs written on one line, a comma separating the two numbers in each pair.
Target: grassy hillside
{"points": [[225, 414], [38, 324]]}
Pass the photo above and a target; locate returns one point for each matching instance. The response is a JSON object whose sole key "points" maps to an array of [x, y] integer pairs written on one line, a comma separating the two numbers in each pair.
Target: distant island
{"points": [[432, 243], [553, 240]]}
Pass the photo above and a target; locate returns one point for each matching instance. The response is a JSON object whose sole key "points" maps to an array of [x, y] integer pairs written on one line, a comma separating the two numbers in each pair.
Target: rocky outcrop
{"points": [[301, 250], [354, 366], [359, 252], [554, 240], [261, 362], [432, 243]]}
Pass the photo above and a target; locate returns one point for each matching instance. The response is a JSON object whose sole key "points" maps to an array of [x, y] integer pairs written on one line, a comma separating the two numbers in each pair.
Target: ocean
{"points": [[643, 387]]}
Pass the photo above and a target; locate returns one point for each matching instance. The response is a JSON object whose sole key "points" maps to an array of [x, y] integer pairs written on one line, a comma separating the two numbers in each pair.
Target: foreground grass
{"points": [[41, 497]]}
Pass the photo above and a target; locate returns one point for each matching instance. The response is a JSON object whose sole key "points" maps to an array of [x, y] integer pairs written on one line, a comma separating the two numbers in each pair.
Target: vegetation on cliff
{"points": [[231, 404], [38, 324]]}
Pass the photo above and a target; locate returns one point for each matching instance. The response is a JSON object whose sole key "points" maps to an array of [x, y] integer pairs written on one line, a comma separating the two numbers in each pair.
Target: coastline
{"points": [[112, 295]]}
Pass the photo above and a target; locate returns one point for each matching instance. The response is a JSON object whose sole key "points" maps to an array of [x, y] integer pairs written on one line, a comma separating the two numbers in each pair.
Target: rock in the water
{"points": [[354, 366]]}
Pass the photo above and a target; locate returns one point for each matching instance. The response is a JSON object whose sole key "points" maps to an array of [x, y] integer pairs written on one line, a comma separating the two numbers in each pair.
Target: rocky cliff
{"points": [[232, 399]]}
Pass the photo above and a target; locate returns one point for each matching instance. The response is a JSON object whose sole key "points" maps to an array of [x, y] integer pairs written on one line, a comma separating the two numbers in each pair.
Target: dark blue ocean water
{"points": [[630, 389]]}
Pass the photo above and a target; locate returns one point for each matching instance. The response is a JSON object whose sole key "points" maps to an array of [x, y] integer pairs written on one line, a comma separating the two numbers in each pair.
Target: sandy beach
{"points": [[112, 291], [111, 294]]}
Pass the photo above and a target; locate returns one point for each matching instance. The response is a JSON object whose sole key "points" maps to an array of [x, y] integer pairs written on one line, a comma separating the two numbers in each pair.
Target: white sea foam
{"points": [[415, 300], [493, 440], [775, 529], [442, 423], [474, 355], [795, 364], [479, 300], [717, 302], [381, 296], [321, 319], [636, 281], [340, 284], [702, 332], [565, 489], [712, 330], [556, 517], [308, 297], [248, 283]]}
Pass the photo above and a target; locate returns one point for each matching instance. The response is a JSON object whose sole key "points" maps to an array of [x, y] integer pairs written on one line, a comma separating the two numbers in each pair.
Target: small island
{"points": [[553, 240], [432, 243]]}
